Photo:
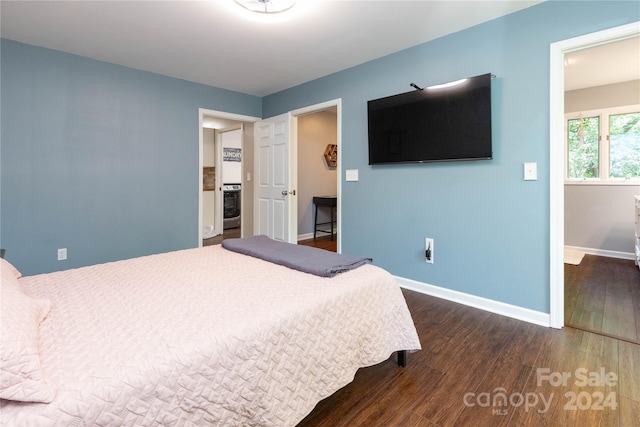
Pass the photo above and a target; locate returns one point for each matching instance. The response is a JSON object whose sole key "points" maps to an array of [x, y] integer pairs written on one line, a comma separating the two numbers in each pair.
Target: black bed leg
{"points": [[402, 358]]}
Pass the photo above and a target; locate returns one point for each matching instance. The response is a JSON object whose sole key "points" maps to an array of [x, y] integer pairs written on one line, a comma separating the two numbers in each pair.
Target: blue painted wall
{"points": [[103, 160], [491, 228], [98, 158]]}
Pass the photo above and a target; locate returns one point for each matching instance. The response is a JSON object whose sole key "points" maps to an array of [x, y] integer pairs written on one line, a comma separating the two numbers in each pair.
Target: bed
{"points": [[204, 336]]}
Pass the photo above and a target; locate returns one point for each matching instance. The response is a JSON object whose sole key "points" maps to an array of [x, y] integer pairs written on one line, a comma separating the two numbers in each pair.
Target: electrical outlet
{"points": [[428, 255], [62, 254], [531, 171]]}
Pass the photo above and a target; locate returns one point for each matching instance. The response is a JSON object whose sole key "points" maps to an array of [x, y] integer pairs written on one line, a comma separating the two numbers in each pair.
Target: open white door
{"points": [[275, 208]]}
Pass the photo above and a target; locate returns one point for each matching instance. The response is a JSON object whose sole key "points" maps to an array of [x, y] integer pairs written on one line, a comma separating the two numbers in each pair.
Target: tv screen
{"points": [[445, 122]]}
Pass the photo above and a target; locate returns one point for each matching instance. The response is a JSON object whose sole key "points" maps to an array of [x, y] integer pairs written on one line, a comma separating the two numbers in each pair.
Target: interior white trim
{"points": [[305, 236], [603, 252], [557, 155], [497, 307]]}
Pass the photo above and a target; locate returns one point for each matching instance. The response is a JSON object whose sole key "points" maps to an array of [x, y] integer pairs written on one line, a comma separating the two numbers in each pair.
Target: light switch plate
{"points": [[351, 175], [531, 171]]}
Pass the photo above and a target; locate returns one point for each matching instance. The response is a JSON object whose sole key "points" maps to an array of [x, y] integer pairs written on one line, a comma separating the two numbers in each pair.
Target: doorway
{"points": [[317, 174], [558, 157], [277, 182], [213, 125], [248, 164], [318, 126]]}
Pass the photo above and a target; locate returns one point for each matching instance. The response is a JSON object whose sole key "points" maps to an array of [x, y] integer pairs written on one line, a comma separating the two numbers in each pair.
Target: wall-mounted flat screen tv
{"points": [[447, 122]]}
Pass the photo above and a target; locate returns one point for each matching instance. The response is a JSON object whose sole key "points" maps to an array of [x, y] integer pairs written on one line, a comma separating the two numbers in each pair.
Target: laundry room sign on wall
{"points": [[231, 154]]}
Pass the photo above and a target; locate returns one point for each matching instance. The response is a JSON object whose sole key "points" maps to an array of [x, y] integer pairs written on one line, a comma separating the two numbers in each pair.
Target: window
{"points": [[624, 145], [604, 145], [584, 148]]}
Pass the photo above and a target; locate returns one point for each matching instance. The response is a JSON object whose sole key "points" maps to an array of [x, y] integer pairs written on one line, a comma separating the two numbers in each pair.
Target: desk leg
{"points": [[331, 222], [315, 221]]}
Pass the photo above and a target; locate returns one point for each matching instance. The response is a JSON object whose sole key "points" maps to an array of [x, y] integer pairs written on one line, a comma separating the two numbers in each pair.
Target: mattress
{"points": [[206, 337]]}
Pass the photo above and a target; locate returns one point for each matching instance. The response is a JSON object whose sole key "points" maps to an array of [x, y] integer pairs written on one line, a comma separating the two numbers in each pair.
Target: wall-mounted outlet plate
{"points": [[62, 254], [530, 171], [428, 246]]}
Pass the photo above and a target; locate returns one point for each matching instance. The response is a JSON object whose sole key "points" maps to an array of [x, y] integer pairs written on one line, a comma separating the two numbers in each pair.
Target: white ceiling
{"points": [[219, 43], [609, 63]]}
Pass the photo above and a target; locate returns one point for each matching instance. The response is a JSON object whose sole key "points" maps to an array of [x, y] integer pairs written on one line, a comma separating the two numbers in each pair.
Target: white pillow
{"points": [[4, 264], [21, 376]]}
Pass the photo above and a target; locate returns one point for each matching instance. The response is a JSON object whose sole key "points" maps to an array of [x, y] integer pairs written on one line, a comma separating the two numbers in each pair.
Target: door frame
{"points": [[219, 147], [557, 155], [202, 112], [316, 108]]}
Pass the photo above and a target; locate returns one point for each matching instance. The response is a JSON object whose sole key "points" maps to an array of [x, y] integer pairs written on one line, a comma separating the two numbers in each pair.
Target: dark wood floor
{"points": [[324, 242], [602, 295], [469, 357]]}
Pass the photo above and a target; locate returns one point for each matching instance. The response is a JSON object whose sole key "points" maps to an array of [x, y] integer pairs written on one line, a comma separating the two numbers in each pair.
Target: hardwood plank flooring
{"points": [[602, 295], [323, 242], [469, 357]]}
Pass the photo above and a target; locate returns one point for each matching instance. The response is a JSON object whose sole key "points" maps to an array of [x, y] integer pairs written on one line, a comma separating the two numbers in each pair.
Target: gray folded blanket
{"points": [[303, 258]]}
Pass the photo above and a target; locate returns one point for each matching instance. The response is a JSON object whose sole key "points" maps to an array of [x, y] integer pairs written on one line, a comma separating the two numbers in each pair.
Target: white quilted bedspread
{"points": [[206, 337]]}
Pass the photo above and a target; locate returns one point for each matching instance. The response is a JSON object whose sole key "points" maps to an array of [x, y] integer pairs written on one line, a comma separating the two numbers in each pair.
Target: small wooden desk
{"points": [[324, 201]]}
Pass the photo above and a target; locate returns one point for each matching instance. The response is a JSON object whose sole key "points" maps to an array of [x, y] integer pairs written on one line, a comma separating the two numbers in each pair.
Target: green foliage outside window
{"points": [[583, 156], [624, 146]]}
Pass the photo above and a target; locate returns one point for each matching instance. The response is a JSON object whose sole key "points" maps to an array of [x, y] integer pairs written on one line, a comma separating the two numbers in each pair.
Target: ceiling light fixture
{"points": [[267, 6]]}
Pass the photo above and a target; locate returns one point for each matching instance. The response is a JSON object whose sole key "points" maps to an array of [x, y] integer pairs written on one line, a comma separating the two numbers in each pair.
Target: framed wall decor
{"points": [[331, 155]]}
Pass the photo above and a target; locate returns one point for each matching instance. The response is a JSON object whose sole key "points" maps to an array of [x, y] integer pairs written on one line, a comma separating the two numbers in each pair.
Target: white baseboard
{"points": [[603, 252], [306, 236], [497, 307]]}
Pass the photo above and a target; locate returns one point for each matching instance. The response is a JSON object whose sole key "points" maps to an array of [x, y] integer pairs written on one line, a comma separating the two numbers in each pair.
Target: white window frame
{"points": [[603, 146]]}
